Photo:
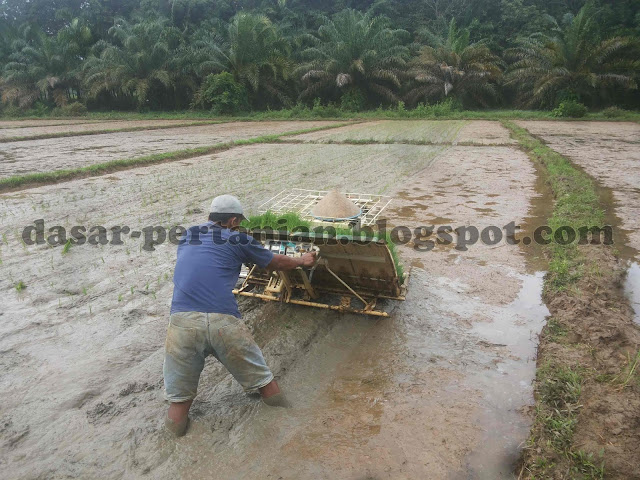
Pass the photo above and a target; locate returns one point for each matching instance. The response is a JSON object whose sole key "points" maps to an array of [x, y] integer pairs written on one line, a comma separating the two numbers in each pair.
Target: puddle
{"points": [[508, 388], [540, 209], [632, 289]]}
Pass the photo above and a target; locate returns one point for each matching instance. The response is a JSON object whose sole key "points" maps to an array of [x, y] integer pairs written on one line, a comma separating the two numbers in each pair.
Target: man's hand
{"points": [[284, 263], [308, 259]]}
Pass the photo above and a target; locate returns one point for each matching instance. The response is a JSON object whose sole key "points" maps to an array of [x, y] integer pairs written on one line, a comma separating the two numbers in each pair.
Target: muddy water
{"points": [[632, 289]]}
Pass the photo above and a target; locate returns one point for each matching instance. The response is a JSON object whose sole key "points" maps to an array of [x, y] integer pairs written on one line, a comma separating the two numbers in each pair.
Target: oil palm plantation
{"points": [[356, 54], [254, 51], [136, 65], [43, 67], [573, 61], [455, 68]]}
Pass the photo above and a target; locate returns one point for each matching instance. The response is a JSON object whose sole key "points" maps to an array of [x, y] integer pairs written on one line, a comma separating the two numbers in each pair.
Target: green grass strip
{"points": [[55, 176], [333, 113], [576, 205], [43, 136]]}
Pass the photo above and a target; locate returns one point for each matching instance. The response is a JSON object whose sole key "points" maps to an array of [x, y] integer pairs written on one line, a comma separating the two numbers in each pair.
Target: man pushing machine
{"points": [[205, 319]]}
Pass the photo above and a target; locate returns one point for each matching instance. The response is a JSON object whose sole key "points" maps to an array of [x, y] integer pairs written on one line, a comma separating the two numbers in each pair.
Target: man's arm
{"points": [[284, 262]]}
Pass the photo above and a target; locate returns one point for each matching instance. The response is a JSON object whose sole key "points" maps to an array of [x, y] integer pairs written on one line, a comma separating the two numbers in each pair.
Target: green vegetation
{"points": [[288, 222], [558, 391], [570, 108], [354, 57], [20, 286], [67, 248], [66, 57], [291, 221], [573, 62], [222, 94], [458, 69], [577, 205]]}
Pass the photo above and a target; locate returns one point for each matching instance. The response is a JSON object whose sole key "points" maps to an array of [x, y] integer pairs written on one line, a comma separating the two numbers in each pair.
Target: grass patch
{"points": [[577, 205], [587, 466], [299, 112], [44, 136], [558, 392], [20, 286], [126, 163]]}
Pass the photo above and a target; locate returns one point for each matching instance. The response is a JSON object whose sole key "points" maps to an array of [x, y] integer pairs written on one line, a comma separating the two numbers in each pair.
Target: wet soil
{"points": [[438, 390], [426, 131], [17, 158], [58, 129]]}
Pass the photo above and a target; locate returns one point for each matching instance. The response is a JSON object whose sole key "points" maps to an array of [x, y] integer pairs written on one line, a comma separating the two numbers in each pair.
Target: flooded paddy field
{"points": [[71, 128], [440, 389], [415, 131], [44, 123], [32, 156]]}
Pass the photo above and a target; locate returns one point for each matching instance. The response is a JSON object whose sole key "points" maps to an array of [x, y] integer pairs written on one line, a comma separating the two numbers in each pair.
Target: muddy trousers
{"points": [[192, 336]]}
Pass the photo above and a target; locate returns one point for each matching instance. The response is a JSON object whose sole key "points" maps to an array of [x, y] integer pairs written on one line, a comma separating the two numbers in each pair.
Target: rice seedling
{"points": [[67, 247]]}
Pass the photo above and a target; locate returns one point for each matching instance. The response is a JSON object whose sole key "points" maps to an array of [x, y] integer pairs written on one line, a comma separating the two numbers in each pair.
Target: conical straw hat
{"points": [[335, 205]]}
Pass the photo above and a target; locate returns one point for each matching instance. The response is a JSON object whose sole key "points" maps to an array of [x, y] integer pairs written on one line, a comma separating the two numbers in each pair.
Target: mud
{"points": [[17, 158], [437, 390], [420, 131], [57, 129], [610, 153]]}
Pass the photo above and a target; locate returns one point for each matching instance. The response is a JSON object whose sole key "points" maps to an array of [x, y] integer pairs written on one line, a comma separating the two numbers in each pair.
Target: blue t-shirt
{"points": [[208, 267]]}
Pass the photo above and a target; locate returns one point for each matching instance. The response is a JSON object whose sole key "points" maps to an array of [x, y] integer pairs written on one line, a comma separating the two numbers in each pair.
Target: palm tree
{"points": [[138, 65], [257, 55], [572, 61], [354, 51], [455, 68], [39, 67]]}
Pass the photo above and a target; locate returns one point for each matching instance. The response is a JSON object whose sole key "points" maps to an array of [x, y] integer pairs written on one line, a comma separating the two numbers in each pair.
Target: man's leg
{"points": [[183, 363], [238, 352], [178, 418]]}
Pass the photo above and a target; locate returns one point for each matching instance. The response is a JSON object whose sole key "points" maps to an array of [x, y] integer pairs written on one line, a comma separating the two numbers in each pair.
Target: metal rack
{"points": [[302, 201]]}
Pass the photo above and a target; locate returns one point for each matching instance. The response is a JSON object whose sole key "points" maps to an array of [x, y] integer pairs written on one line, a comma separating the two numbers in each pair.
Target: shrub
{"points": [[570, 108], [613, 112], [75, 109], [319, 110], [353, 100], [222, 94]]}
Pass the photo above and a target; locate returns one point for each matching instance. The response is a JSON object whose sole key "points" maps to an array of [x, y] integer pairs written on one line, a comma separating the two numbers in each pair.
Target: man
{"points": [[205, 319]]}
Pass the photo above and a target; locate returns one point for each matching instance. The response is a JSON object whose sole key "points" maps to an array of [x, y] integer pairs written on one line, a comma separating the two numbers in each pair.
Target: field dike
{"points": [[587, 387]]}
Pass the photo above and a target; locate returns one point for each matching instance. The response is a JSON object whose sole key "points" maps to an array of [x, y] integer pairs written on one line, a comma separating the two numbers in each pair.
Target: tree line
{"points": [[233, 56]]}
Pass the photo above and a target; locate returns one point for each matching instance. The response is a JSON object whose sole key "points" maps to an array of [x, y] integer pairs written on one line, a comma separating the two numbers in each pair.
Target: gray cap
{"points": [[227, 204]]}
